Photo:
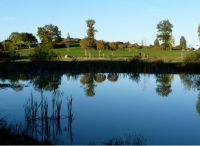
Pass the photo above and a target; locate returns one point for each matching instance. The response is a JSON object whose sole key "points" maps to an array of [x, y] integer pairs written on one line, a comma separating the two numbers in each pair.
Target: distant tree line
{"points": [[50, 38]]}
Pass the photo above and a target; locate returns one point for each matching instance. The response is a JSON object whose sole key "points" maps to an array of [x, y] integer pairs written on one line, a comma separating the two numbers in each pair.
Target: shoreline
{"points": [[97, 67]]}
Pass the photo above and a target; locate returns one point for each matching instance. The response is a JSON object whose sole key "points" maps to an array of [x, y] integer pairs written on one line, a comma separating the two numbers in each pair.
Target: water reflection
{"points": [[48, 82], [113, 77], [16, 87], [42, 125], [70, 118], [88, 81], [128, 139], [50, 115], [164, 84], [100, 78], [190, 81]]}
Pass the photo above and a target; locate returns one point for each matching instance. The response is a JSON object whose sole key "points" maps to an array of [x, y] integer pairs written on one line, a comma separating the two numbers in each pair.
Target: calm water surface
{"points": [[100, 108]]}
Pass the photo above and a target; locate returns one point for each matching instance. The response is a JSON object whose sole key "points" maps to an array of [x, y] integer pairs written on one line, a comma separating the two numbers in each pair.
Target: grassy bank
{"points": [[120, 61], [118, 55]]}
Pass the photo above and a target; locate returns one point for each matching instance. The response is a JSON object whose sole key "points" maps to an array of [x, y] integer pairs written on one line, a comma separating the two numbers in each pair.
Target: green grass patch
{"points": [[147, 54]]}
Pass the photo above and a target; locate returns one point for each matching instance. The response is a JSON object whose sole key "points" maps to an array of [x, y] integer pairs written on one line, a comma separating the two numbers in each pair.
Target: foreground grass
{"points": [[121, 54]]}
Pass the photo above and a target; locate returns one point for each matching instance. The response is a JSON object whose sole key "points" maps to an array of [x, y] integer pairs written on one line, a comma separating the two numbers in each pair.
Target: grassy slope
{"points": [[154, 54]]}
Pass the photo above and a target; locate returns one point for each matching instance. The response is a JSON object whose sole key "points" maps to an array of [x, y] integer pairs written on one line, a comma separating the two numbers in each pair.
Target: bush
{"points": [[43, 54], [176, 48], [192, 58], [88, 43], [11, 54], [1, 46], [100, 45], [113, 46], [136, 59], [59, 45]]}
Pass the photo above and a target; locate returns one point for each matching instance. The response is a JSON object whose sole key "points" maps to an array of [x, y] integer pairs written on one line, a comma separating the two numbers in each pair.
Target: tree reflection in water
{"points": [[164, 84], [113, 77], [88, 81], [192, 82], [48, 82], [99, 78]]}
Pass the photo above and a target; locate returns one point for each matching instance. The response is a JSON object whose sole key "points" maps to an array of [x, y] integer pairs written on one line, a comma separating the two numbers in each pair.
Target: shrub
{"points": [[10, 54], [1, 46], [43, 54], [100, 45], [136, 59], [13, 54], [113, 46], [192, 58], [176, 48], [88, 43]]}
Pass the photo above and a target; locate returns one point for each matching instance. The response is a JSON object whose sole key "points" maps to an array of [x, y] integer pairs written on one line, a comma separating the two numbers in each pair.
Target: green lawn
{"points": [[149, 54]]}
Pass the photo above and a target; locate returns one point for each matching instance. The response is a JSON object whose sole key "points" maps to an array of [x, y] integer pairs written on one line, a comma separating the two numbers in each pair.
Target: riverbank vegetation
{"points": [[51, 46]]}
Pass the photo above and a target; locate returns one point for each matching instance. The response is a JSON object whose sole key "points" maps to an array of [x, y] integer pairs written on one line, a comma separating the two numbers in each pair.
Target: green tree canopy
{"points": [[183, 43], [89, 42], [91, 30], [22, 40], [49, 34], [165, 33]]}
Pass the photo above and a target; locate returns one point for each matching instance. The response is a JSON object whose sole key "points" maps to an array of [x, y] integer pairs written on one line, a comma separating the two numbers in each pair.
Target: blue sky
{"points": [[117, 20]]}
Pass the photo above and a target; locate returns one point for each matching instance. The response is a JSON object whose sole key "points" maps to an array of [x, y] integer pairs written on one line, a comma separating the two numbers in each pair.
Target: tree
{"points": [[156, 43], [89, 42], [113, 46], [7, 44], [49, 34], [15, 40], [183, 43], [22, 40], [165, 33], [91, 30], [29, 39], [100, 46], [199, 31]]}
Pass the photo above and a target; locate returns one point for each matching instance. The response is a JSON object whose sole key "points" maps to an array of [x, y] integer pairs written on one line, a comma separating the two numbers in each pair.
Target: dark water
{"points": [[104, 108]]}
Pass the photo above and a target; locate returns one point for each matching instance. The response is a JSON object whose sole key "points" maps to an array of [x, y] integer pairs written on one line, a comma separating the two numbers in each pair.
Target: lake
{"points": [[104, 108]]}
